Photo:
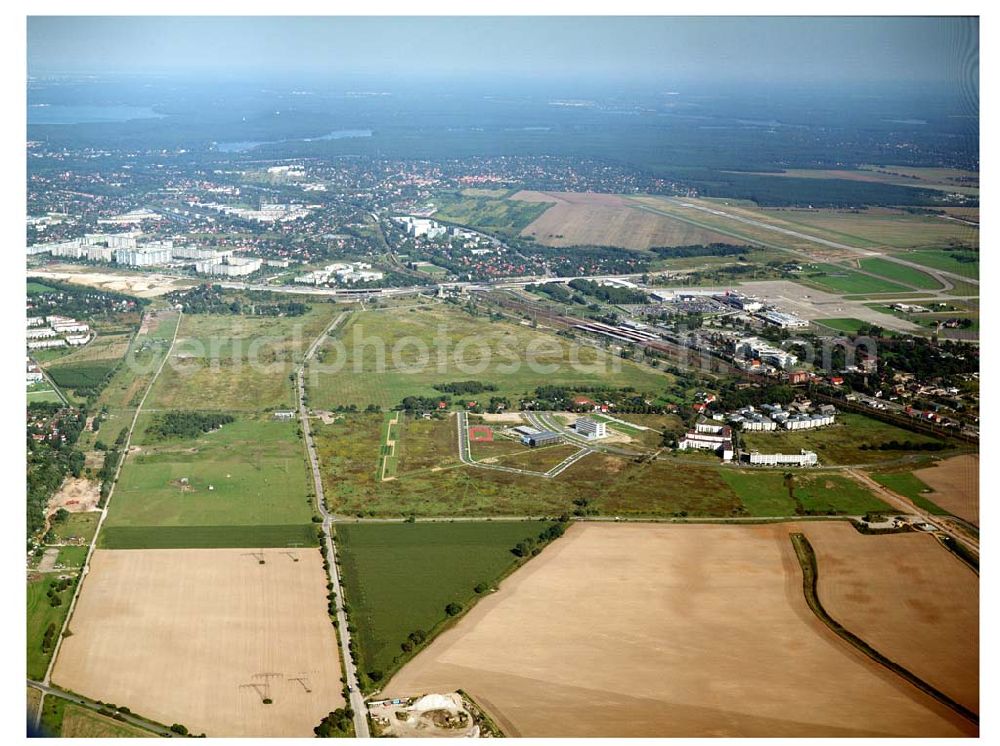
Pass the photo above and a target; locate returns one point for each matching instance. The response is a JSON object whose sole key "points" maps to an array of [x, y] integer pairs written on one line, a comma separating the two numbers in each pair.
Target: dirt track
{"points": [[590, 219], [181, 636], [955, 482], [909, 598], [657, 630]]}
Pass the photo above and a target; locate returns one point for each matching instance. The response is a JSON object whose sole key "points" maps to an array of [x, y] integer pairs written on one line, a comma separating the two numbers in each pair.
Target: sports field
{"points": [[578, 643], [591, 219], [909, 598], [203, 637], [236, 362], [399, 577], [386, 355], [840, 443], [245, 482]]}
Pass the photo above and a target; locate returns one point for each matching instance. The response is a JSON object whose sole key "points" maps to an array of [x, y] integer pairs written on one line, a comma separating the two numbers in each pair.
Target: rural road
{"points": [[104, 513], [92, 705], [357, 701], [941, 523]]}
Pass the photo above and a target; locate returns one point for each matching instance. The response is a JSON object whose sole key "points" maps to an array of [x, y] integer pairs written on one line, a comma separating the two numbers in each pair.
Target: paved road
{"points": [[104, 511], [466, 458], [49, 691], [357, 701]]}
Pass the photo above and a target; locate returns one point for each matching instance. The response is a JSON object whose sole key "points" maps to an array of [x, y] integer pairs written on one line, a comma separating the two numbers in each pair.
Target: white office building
{"points": [[591, 428]]}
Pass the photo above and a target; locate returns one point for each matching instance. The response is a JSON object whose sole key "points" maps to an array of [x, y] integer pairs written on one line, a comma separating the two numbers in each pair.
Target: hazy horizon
{"points": [[630, 51]]}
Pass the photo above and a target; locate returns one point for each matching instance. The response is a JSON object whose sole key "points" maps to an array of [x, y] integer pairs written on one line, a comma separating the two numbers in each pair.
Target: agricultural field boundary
{"points": [[806, 556], [104, 512]]}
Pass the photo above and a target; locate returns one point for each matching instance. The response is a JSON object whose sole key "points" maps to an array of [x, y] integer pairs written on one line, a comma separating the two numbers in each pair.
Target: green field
{"points": [[850, 326], [349, 452], [80, 722], [398, 577], [387, 355], [37, 288], [765, 493], [72, 556], [900, 273], [909, 485], [76, 528], [839, 279], [45, 395], [946, 260], [237, 362], [249, 473], [207, 537], [41, 614], [839, 443], [489, 213]]}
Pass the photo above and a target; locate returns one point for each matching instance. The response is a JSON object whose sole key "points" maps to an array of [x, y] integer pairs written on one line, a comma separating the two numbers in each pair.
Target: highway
{"points": [[357, 701]]}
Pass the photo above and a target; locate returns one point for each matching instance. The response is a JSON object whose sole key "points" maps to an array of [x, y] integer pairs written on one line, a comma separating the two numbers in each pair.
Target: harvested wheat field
{"points": [[185, 636], [909, 598], [659, 630], [955, 482], [591, 219]]}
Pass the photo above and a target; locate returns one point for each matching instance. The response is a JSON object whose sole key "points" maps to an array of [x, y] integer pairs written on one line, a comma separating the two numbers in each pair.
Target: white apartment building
{"points": [[808, 421], [146, 256], [43, 333], [232, 267], [805, 458], [43, 344]]}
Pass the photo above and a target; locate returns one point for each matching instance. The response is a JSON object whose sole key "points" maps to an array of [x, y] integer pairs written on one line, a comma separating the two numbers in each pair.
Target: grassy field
{"points": [[41, 614], [388, 355], [237, 362], [765, 493], [899, 273], [840, 279], [72, 556], [426, 444], [946, 260], [909, 485], [399, 577], [349, 452], [43, 395], [79, 722], [839, 443], [491, 213], [251, 473], [872, 228], [849, 326], [77, 528], [127, 385]]}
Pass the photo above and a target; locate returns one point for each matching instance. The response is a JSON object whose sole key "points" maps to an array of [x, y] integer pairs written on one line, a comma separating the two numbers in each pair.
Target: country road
{"points": [[357, 701], [941, 523], [50, 691], [104, 513]]}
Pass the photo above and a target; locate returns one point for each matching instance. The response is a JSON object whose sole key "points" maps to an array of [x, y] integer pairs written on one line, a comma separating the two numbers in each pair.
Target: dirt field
{"points": [[920, 607], [655, 630], [955, 482], [77, 495], [140, 284], [590, 219], [183, 636]]}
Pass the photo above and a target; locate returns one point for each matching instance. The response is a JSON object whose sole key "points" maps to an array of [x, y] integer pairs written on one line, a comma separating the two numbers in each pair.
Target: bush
{"points": [[452, 609]]}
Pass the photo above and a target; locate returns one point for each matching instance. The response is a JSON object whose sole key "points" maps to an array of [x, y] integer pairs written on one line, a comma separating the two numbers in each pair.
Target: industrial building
{"points": [[532, 437], [783, 320], [591, 428], [804, 458]]}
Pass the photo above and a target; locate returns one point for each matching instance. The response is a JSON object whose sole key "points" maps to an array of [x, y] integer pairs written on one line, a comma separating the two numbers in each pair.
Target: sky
{"points": [[793, 50]]}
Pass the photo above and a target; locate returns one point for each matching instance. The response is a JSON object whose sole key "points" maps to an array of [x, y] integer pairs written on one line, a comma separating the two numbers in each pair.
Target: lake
{"points": [[66, 114]]}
